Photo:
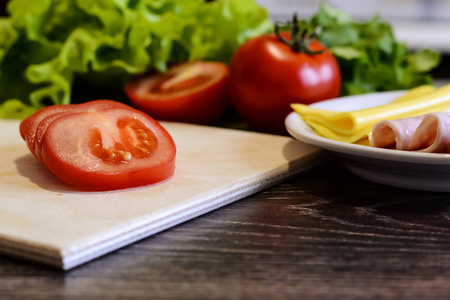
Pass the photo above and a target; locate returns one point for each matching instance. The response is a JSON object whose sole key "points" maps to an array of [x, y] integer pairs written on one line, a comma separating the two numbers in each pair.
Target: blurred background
{"points": [[3, 7], [420, 23]]}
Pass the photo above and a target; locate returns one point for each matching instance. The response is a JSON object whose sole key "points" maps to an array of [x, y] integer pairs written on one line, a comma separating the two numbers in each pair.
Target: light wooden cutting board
{"points": [[47, 221]]}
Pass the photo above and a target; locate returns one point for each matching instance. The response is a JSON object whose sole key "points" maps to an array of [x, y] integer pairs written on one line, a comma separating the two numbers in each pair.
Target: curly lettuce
{"points": [[45, 44], [370, 57]]}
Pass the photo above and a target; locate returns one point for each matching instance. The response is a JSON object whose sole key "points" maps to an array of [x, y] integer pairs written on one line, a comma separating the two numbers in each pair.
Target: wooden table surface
{"points": [[325, 234]]}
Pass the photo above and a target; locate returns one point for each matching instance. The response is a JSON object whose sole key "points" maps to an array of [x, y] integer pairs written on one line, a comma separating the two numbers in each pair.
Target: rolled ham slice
{"points": [[394, 134], [433, 134]]}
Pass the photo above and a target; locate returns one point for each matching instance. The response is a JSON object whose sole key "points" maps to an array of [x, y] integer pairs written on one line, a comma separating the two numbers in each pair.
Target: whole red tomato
{"points": [[268, 73]]}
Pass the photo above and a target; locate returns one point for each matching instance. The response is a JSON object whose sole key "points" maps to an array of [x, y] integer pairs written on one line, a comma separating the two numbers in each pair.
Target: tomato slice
{"points": [[32, 129], [29, 126], [100, 145], [106, 149], [194, 92]]}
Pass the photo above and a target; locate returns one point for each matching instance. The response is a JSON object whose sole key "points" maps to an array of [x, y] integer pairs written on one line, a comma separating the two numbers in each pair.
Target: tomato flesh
{"points": [[135, 140], [105, 147], [194, 92], [32, 128]]}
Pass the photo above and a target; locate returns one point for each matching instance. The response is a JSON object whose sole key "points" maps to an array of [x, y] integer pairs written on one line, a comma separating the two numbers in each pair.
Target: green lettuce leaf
{"points": [[370, 57], [45, 46]]}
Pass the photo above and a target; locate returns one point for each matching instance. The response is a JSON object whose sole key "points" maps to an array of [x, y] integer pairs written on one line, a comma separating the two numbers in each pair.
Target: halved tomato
{"points": [[194, 92], [105, 147]]}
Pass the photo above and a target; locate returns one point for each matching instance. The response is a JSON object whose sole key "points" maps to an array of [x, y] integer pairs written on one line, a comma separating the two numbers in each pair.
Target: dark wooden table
{"points": [[323, 235]]}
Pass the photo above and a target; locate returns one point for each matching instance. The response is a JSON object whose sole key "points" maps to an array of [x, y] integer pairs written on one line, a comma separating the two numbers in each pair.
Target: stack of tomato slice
{"points": [[100, 145]]}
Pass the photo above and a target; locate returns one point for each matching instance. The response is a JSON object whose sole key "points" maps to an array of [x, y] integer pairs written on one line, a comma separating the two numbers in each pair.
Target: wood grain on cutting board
{"points": [[45, 220]]}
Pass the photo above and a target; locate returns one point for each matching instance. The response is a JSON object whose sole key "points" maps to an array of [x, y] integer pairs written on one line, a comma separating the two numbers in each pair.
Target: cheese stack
{"points": [[356, 126]]}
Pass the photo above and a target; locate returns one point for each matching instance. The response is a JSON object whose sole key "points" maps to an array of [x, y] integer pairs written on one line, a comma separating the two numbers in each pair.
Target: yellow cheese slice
{"points": [[330, 134], [415, 92], [355, 125]]}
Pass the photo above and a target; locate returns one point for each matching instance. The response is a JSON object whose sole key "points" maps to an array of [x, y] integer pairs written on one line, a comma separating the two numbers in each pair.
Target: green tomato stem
{"points": [[300, 40]]}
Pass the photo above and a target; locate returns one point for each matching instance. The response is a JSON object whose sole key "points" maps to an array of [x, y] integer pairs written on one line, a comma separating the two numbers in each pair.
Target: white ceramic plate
{"points": [[404, 169]]}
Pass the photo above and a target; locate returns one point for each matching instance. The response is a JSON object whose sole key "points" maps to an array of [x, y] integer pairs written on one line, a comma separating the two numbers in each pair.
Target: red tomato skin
{"points": [[29, 125], [76, 174], [89, 181], [198, 106], [266, 76]]}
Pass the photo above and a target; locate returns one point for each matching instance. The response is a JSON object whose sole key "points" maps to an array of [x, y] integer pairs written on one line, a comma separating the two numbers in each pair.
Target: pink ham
{"points": [[433, 134], [395, 134]]}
